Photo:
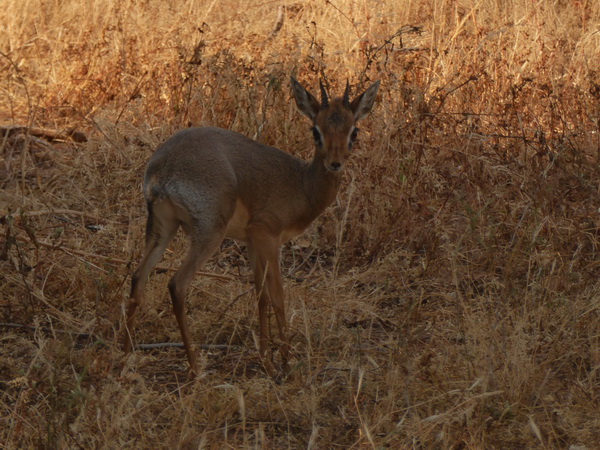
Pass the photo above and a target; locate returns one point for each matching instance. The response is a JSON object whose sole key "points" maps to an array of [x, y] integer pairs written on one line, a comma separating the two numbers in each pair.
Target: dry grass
{"points": [[449, 298]]}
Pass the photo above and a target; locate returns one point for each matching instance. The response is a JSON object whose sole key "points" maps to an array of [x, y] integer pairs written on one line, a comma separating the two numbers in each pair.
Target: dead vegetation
{"points": [[449, 298]]}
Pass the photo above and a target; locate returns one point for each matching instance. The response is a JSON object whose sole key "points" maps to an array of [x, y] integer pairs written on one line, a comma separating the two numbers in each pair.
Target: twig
{"points": [[110, 259], [279, 22], [180, 345], [70, 212], [371, 56], [138, 346], [46, 329], [234, 301], [49, 135], [133, 96]]}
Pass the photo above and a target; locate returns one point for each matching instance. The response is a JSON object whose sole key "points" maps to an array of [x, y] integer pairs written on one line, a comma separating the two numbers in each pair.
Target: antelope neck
{"points": [[321, 185]]}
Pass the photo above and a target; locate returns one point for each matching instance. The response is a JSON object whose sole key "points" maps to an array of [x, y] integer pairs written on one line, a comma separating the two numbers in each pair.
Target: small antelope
{"points": [[216, 183]]}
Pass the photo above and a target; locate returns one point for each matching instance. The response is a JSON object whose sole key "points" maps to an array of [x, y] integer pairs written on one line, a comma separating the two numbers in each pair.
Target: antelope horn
{"points": [[324, 99], [347, 95]]}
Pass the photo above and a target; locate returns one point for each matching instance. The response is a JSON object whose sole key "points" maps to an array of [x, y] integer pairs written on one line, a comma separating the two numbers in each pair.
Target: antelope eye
{"points": [[317, 136], [353, 137]]}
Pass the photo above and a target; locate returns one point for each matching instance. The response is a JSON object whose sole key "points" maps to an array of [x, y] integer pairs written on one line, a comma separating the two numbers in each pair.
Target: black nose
{"points": [[336, 166]]}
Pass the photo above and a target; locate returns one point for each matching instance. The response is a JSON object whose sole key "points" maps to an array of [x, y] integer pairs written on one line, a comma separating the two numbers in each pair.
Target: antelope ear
{"points": [[362, 105], [306, 102]]}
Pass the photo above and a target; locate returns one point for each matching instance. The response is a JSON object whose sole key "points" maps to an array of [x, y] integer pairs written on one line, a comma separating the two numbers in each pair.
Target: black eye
{"points": [[317, 136], [353, 137]]}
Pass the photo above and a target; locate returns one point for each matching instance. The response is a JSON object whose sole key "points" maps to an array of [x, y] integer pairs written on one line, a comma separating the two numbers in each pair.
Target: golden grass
{"points": [[448, 299]]}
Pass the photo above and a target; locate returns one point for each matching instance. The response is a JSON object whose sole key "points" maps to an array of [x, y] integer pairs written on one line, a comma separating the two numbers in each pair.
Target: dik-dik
{"points": [[217, 183]]}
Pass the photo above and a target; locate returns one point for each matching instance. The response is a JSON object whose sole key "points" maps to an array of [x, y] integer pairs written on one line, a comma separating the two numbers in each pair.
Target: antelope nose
{"points": [[335, 166]]}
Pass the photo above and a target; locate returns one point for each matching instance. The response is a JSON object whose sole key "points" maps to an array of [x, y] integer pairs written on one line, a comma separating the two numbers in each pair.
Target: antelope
{"points": [[217, 183]]}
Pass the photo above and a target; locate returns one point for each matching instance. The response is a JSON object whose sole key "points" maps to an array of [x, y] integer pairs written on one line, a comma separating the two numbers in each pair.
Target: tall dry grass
{"points": [[448, 299]]}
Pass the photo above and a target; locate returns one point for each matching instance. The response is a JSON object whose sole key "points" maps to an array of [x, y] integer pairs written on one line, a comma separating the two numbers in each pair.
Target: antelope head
{"points": [[334, 121]]}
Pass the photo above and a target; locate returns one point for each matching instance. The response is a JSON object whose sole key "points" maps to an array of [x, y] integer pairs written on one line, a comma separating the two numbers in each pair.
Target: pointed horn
{"points": [[347, 95], [324, 99]]}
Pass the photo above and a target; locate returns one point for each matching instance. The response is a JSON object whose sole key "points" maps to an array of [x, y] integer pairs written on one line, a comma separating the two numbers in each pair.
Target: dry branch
{"points": [[152, 346], [45, 329], [66, 212], [45, 133], [279, 22], [159, 345], [110, 259]]}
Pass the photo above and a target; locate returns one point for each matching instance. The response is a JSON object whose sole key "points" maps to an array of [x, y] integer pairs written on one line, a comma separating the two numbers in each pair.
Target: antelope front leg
{"points": [[276, 295], [264, 257], [264, 350], [263, 312]]}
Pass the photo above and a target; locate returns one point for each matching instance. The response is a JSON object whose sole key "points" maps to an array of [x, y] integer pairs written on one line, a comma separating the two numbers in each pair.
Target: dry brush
{"points": [[448, 299]]}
